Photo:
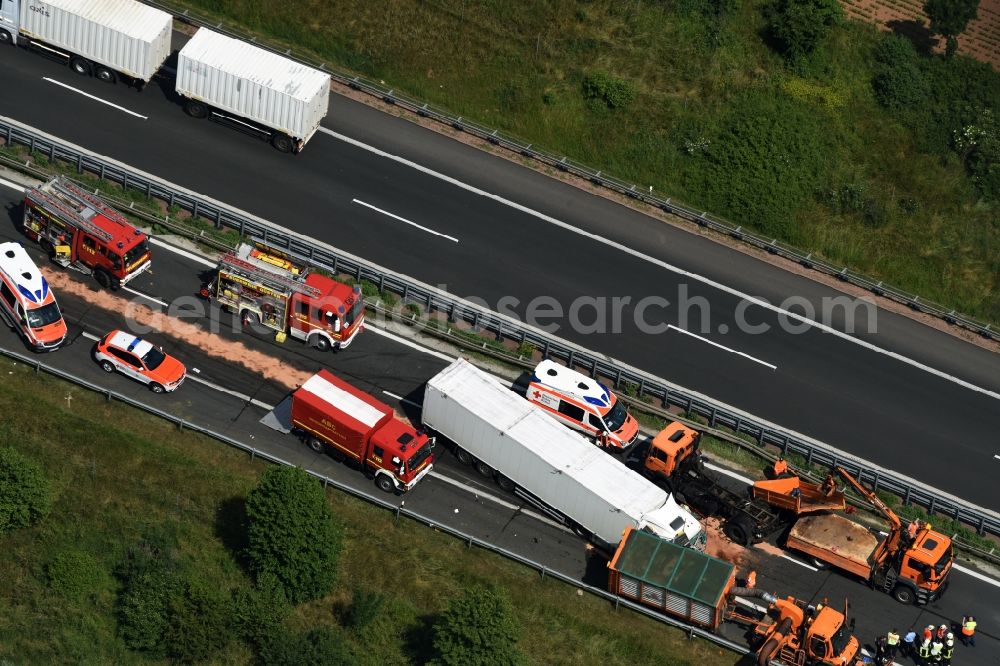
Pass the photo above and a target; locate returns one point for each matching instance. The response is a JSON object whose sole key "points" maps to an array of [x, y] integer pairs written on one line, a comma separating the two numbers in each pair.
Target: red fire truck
{"points": [[266, 287], [79, 230]]}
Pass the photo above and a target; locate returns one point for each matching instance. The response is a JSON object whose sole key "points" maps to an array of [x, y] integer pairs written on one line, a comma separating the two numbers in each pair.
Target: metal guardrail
{"points": [[457, 310], [397, 509], [668, 205]]}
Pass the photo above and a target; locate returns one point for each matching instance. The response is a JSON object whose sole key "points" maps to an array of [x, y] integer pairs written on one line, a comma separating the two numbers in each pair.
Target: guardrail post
{"points": [[931, 506], [906, 496], [108, 393], [52, 152], [569, 359], [125, 182], [38, 367], [543, 573], [194, 208], [711, 418], [809, 456], [875, 481], [218, 218]]}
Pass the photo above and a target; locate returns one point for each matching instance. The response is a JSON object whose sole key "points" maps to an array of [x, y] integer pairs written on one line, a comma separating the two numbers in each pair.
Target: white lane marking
{"points": [[975, 574], [731, 474], [403, 400], [723, 347], [403, 219], [13, 186], [498, 500], [95, 98], [146, 296], [662, 264], [182, 252], [413, 345], [996, 456], [800, 563], [211, 385]]}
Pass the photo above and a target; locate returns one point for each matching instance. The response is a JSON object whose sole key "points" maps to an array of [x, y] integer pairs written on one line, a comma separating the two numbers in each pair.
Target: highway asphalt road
{"points": [[490, 229], [456, 496]]}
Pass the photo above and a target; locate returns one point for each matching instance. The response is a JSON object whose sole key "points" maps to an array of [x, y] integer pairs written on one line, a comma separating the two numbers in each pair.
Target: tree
{"points": [[798, 26], [949, 19], [259, 609], [291, 533], [478, 628], [25, 492]]}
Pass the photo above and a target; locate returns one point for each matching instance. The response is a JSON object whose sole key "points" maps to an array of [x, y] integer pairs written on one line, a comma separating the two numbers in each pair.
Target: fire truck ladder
{"points": [[71, 201], [265, 275]]}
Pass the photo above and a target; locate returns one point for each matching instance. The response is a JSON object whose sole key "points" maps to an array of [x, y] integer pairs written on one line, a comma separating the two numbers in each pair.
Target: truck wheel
{"points": [[250, 317], [321, 343], [106, 75], [80, 66], [195, 109], [738, 530], [464, 456], [484, 469], [904, 595], [6, 37], [282, 142], [385, 484], [316, 445], [103, 278], [505, 484]]}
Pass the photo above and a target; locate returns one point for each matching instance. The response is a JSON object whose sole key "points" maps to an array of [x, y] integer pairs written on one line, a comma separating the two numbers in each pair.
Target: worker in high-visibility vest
{"points": [[924, 652], [892, 643], [949, 649], [937, 648], [969, 631]]}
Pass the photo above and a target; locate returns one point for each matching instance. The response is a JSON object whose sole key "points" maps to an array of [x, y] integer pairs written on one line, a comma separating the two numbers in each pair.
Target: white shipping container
{"points": [[253, 83], [124, 35], [553, 463]]}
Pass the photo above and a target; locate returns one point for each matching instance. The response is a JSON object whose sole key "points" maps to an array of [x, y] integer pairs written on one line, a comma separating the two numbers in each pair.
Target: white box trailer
{"points": [[538, 458], [252, 88], [109, 39]]}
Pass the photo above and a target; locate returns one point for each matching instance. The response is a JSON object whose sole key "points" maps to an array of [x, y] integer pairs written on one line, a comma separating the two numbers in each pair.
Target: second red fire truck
{"points": [[79, 230], [266, 287]]}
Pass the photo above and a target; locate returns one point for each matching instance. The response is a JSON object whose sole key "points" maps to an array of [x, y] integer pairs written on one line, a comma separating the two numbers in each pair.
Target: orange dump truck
{"points": [[910, 564]]}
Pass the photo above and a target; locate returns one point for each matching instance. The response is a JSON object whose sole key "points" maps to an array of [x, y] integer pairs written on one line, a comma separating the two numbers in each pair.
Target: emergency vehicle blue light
{"points": [[600, 402], [27, 294], [607, 391], [132, 344]]}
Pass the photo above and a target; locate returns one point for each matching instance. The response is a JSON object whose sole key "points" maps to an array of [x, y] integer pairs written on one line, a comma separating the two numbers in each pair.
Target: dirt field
{"points": [[981, 39]]}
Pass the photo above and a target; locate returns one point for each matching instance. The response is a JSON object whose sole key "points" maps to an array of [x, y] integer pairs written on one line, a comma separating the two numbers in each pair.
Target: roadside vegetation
{"points": [[127, 541], [780, 115]]}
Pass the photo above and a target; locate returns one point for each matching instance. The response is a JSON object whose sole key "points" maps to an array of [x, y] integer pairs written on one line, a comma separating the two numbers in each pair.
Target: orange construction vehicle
{"points": [[268, 287], [796, 634], [673, 460], [78, 230], [701, 590], [911, 565]]}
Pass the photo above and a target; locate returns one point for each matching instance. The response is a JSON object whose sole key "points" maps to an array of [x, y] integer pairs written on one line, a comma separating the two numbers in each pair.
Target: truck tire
{"points": [[385, 484], [505, 484], [80, 65], [321, 343], [739, 530], [904, 595], [195, 109], [105, 74], [103, 278], [484, 469], [282, 142], [316, 444], [6, 37], [250, 317], [464, 456]]}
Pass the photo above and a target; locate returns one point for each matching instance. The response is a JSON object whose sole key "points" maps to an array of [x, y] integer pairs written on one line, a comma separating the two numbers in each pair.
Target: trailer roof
{"points": [[132, 18], [683, 571], [345, 398], [253, 63]]}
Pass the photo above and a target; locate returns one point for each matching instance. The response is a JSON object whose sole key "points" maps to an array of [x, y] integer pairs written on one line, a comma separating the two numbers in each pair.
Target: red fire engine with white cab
{"points": [[80, 231], [267, 287]]}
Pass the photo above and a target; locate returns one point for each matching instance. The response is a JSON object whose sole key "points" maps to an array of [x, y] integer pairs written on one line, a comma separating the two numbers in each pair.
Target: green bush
{"points": [[320, 647], [365, 607], [796, 27], [478, 628], [74, 574], [259, 609], [143, 610], [291, 533], [614, 92], [198, 618], [25, 492]]}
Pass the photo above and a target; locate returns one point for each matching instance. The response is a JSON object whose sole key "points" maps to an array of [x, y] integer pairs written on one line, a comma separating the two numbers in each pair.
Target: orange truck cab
{"points": [[582, 403], [77, 229], [333, 416], [800, 634], [268, 287], [26, 301]]}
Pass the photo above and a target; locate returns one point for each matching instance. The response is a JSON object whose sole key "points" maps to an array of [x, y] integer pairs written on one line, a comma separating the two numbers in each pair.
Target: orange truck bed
{"points": [[798, 496], [840, 542]]}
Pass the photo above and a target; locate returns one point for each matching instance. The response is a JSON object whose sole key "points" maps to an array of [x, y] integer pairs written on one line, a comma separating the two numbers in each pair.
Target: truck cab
{"points": [[582, 403], [927, 564], [397, 446], [9, 21]]}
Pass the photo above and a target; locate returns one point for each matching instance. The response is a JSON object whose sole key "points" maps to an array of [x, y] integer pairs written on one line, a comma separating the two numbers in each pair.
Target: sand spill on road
{"points": [[721, 547], [269, 367]]}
